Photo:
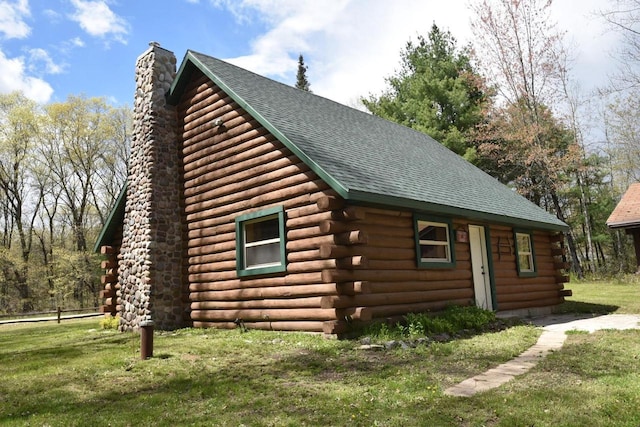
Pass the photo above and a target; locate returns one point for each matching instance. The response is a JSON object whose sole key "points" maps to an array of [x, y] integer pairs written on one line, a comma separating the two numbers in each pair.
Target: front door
{"points": [[481, 267]]}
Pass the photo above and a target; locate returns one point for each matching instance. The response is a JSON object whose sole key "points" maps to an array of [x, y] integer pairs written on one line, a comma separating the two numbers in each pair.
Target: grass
{"points": [[620, 295], [76, 374], [451, 321]]}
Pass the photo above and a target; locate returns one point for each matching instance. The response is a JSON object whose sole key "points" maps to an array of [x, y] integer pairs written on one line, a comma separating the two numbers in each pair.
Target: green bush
{"points": [[451, 320], [110, 322]]}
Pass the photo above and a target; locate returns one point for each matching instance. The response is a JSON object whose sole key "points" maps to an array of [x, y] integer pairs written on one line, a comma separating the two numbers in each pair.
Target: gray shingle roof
{"points": [[365, 158]]}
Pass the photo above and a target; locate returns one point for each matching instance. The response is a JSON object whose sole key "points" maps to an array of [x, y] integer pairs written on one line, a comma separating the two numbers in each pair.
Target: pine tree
{"points": [[437, 91], [301, 78]]}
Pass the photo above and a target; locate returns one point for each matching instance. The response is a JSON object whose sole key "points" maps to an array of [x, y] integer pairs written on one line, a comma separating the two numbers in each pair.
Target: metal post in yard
{"points": [[59, 314], [146, 339]]}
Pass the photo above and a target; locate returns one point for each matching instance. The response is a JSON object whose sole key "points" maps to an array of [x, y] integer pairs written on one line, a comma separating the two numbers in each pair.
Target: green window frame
{"points": [[261, 242], [525, 253], [435, 243]]}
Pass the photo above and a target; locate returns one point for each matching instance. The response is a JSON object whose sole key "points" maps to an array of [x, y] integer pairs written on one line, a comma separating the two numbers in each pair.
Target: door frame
{"points": [[484, 245]]}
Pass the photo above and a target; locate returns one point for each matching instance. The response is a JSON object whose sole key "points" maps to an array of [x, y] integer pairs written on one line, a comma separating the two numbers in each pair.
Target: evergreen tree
{"points": [[301, 78], [437, 91]]}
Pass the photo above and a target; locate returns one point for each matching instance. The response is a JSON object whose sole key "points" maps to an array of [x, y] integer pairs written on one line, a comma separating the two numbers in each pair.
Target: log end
{"points": [[566, 293], [108, 264], [335, 327], [330, 203], [107, 250]]}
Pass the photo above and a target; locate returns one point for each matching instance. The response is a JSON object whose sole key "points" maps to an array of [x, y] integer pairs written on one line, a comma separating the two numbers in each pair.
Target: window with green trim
{"points": [[260, 242], [434, 242], [525, 254]]}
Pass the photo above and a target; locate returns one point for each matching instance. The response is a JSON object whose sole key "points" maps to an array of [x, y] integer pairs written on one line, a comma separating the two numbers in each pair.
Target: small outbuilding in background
{"points": [[626, 216]]}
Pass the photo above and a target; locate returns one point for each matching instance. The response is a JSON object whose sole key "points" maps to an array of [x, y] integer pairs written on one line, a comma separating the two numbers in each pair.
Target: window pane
{"points": [[263, 254], [432, 232], [262, 230], [525, 263], [434, 251], [525, 253], [524, 243]]}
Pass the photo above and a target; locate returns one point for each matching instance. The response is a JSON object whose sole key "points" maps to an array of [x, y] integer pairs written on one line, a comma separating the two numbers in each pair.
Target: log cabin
{"points": [[251, 202]]}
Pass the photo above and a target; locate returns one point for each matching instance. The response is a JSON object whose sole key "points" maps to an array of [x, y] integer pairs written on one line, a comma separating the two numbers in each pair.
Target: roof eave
{"points": [[415, 205], [624, 224], [115, 218]]}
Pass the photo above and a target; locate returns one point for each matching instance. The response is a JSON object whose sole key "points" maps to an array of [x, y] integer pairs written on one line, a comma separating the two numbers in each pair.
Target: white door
{"points": [[480, 266]]}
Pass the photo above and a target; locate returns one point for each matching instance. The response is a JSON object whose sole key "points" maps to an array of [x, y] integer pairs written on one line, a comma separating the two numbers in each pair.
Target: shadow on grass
{"points": [[585, 308], [276, 382], [316, 387], [276, 387]]}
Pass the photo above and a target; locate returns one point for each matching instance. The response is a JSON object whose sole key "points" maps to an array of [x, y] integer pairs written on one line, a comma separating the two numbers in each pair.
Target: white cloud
{"points": [[12, 16], [350, 46], [14, 78], [98, 20], [39, 59], [294, 25], [66, 46], [361, 53], [52, 15], [76, 41]]}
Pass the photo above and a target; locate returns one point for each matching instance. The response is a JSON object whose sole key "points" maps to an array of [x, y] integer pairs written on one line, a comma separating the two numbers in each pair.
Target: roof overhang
{"points": [[625, 224], [116, 218], [473, 215]]}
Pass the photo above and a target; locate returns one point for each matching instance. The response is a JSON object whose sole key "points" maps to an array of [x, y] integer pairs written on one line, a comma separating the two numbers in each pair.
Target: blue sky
{"points": [[71, 46], [50, 49]]}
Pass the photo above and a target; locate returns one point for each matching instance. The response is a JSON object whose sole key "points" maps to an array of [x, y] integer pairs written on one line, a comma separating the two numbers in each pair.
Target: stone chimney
{"points": [[150, 267]]}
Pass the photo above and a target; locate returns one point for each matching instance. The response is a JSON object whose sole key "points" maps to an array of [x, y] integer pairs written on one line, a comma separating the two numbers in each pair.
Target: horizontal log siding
{"points": [[514, 292], [111, 282], [239, 169], [343, 262], [388, 282]]}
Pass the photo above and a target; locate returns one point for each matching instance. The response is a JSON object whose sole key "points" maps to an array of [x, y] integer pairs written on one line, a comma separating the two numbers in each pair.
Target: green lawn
{"points": [[77, 374], [621, 295]]}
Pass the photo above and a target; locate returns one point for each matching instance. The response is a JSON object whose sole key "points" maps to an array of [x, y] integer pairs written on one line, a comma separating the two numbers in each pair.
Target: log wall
{"points": [[545, 289], [378, 275], [110, 292], [344, 263], [240, 168], [109, 281]]}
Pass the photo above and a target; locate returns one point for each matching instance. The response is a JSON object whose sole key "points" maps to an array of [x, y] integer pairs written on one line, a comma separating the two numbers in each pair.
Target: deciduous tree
{"points": [[523, 52], [19, 133], [84, 149], [624, 18]]}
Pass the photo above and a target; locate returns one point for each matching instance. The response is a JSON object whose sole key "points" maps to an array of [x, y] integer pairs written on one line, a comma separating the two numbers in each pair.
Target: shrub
{"points": [[451, 320], [110, 322]]}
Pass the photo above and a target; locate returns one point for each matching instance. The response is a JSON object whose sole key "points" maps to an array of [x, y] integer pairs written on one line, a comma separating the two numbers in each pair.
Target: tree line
{"points": [[61, 167]]}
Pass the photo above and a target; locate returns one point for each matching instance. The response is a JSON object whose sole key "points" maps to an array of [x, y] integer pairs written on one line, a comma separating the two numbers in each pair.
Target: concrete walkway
{"points": [[552, 338]]}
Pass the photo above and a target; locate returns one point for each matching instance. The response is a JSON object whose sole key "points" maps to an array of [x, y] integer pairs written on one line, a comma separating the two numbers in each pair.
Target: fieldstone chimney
{"points": [[150, 268]]}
